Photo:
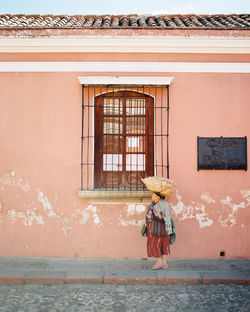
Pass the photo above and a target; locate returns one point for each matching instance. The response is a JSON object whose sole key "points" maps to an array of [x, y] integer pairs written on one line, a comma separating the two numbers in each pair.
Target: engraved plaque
{"points": [[222, 153]]}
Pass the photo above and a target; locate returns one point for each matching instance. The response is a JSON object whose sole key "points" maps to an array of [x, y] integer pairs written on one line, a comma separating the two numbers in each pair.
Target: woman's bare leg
{"points": [[163, 259], [159, 259]]}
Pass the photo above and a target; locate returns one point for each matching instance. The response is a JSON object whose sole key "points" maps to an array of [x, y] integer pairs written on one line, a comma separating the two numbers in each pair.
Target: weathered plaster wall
{"points": [[40, 212]]}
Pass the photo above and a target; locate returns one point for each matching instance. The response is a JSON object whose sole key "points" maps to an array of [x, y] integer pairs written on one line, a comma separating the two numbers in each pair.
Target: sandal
{"points": [[157, 266], [165, 266]]}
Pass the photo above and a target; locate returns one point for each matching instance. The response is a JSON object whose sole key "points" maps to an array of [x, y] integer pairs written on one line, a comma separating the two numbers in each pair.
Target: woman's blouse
{"points": [[151, 211], [161, 211]]}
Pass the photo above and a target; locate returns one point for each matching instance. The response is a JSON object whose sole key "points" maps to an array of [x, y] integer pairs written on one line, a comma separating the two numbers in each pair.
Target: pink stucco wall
{"points": [[40, 129]]}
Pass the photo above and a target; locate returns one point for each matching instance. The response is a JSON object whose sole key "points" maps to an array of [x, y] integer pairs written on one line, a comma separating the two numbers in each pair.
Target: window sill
{"points": [[116, 196]]}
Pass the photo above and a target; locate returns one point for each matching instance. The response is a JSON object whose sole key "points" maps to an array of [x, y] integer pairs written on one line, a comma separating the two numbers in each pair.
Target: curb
{"points": [[123, 281]]}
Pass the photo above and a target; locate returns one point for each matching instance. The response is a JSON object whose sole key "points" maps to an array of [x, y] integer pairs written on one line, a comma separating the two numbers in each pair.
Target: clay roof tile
{"points": [[232, 21]]}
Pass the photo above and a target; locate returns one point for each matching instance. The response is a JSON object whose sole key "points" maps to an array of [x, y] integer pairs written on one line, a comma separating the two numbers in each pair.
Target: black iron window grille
{"points": [[125, 134]]}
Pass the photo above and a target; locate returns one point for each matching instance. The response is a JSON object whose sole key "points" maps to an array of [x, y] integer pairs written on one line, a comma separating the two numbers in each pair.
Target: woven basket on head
{"points": [[161, 185]]}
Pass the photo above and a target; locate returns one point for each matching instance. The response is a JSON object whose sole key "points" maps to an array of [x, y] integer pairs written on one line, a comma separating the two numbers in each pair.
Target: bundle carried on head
{"points": [[161, 185]]}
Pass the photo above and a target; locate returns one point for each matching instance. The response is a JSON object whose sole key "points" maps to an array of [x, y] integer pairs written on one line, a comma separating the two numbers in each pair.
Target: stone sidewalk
{"points": [[123, 271]]}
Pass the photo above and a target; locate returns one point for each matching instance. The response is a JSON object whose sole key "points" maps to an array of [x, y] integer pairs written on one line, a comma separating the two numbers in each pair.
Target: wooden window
{"points": [[125, 131], [124, 139]]}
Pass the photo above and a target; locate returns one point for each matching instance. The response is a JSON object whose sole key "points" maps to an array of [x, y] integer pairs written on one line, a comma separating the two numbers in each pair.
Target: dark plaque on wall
{"points": [[222, 153]]}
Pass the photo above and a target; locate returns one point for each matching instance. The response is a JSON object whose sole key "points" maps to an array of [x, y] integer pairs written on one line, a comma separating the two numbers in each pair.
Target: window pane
{"points": [[112, 179], [112, 125], [135, 162], [135, 125], [135, 107], [112, 144], [133, 179], [135, 144], [112, 162], [112, 106]]}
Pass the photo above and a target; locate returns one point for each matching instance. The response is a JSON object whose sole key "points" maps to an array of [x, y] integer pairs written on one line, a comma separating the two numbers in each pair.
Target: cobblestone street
{"points": [[31, 298]]}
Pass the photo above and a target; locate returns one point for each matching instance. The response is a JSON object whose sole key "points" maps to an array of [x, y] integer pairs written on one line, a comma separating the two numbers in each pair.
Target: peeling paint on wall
{"points": [[8, 179], [28, 217], [132, 216], [197, 210], [132, 210], [48, 208], [207, 198], [23, 184], [246, 195], [183, 212], [86, 213], [202, 217], [93, 210], [31, 215], [140, 208], [135, 209], [46, 205], [66, 225], [84, 216], [132, 222], [193, 211], [231, 219]]}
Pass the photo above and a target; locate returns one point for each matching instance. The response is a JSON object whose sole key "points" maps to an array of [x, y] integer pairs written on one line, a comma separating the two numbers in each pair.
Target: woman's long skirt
{"points": [[157, 246]]}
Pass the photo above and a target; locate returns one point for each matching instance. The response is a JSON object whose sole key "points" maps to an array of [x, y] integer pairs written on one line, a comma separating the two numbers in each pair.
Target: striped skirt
{"points": [[157, 246]]}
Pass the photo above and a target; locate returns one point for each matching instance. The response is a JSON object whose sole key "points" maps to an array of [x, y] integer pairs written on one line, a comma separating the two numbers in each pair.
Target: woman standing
{"points": [[158, 244]]}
